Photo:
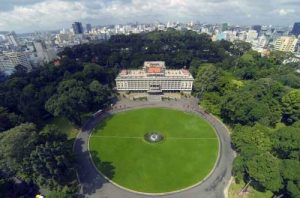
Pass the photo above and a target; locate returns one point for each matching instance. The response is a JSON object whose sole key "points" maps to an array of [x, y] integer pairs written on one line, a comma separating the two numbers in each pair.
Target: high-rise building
{"points": [[88, 27], [6, 65], [77, 28], [224, 27], [257, 28], [286, 44], [242, 35], [251, 35], [40, 46], [44, 54], [9, 60], [18, 58], [296, 29], [262, 41], [12, 39]]}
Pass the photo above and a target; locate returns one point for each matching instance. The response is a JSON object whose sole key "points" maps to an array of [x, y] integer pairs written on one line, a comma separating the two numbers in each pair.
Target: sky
{"points": [[37, 15]]}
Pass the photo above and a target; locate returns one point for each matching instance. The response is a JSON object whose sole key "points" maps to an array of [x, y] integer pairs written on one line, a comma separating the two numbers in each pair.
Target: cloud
{"points": [[7, 5], [30, 15], [283, 12]]}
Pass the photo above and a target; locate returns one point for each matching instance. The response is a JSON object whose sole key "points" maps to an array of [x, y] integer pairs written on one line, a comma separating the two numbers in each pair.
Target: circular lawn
{"points": [[186, 154]]}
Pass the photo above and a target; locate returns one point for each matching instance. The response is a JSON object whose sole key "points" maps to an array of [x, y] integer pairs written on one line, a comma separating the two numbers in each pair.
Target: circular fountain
{"points": [[153, 137]]}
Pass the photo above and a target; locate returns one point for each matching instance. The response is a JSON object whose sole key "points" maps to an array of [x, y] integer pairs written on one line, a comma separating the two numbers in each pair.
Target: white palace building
{"points": [[154, 78]]}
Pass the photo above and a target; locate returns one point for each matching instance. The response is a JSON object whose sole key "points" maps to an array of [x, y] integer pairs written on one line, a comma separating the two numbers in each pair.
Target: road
{"points": [[93, 185]]}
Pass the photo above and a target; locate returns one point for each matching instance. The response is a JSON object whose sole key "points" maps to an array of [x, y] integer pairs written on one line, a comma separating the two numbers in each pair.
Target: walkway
{"points": [[93, 185]]}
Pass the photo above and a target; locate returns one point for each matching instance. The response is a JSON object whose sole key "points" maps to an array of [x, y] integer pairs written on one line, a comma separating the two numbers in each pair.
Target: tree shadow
{"points": [[89, 177], [106, 168], [13, 188], [98, 121], [257, 186]]}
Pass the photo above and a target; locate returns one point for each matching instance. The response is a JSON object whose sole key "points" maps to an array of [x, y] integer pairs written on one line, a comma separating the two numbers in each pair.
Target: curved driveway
{"points": [[93, 185]]}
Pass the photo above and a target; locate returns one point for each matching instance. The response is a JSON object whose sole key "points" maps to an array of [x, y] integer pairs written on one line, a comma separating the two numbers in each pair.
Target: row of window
{"points": [[146, 85]]}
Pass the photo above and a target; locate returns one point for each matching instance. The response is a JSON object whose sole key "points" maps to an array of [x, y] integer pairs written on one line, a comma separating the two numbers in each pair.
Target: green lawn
{"points": [[65, 126], [235, 189], [185, 157]]}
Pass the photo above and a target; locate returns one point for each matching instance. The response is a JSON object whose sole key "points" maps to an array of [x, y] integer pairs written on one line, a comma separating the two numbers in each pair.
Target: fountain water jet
{"points": [[153, 137]]}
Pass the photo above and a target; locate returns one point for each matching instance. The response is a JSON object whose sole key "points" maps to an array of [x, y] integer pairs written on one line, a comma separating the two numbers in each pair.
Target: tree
{"points": [[20, 70], [255, 102], [290, 79], [12, 187], [49, 164], [206, 78], [286, 142], [57, 195], [277, 57], [296, 124], [44, 158], [31, 104], [291, 106], [95, 72], [51, 133], [257, 136], [240, 108], [240, 47], [238, 168], [290, 170], [211, 101], [265, 170], [71, 99], [293, 189], [291, 174], [8, 120], [266, 88], [2, 76], [16, 144], [100, 94], [249, 142], [195, 64]]}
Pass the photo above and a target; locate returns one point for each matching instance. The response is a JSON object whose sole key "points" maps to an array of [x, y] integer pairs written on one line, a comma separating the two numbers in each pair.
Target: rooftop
{"points": [[154, 70], [160, 64]]}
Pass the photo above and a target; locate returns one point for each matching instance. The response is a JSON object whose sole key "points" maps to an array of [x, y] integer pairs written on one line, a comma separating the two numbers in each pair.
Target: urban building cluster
{"points": [[35, 49], [27, 50], [263, 38]]}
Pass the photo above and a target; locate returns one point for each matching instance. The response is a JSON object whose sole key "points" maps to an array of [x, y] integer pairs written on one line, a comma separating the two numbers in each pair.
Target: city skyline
{"points": [[40, 15]]}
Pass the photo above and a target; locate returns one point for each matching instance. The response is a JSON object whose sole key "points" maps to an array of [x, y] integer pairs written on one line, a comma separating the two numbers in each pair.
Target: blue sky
{"points": [[30, 15]]}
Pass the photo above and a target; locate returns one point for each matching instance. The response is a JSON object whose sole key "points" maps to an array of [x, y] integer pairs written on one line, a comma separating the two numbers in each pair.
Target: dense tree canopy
{"points": [[44, 157], [257, 137], [291, 106], [8, 120], [27, 154], [286, 142], [257, 96], [177, 48], [206, 79], [16, 144], [265, 169], [71, 99]]}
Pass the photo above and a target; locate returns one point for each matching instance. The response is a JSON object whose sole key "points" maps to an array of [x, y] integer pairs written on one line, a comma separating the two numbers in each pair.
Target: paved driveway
{"points": [[93, 185]]}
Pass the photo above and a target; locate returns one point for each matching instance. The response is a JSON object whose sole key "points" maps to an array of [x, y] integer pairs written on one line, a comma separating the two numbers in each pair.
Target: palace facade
{"points": [[154, 78]]}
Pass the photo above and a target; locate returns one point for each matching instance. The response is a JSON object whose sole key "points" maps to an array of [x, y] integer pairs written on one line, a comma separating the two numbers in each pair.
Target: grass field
{"points": [[65, 126], [235, 189], [185, 157]]}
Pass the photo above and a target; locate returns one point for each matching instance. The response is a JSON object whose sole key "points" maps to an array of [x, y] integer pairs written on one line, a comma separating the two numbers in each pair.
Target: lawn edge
{"points": [[164, 193]]}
